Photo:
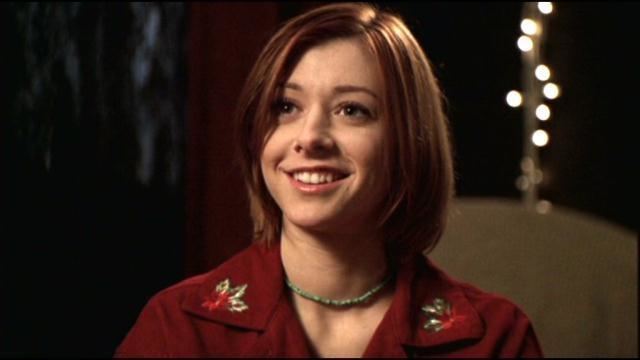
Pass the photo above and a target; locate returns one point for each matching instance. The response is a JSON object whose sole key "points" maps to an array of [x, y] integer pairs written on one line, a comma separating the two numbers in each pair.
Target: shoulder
{"points": [[174, 320], [487, 303], [175, 294], [238, 266], [492, 307], [151, 332], [503, 321]]}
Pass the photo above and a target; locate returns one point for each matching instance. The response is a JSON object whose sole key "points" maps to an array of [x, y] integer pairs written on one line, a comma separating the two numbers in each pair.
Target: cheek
{"points": [[368, 152], [267, 168], [271, 150], [274, 151]]}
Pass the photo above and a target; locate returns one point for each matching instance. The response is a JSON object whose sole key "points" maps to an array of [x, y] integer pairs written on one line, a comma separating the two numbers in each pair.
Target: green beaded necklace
{"points": [[348, 302]]}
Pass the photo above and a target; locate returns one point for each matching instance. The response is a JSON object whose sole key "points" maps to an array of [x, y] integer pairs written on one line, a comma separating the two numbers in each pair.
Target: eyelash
{"points": [[355, 106], [285, 106]]}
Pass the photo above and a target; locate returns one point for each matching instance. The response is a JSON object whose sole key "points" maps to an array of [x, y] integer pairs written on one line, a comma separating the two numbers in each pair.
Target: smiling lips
{"points": [[316, 180]]}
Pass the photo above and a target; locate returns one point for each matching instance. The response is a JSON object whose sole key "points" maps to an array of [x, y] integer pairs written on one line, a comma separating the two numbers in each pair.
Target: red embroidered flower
{"points": [[440, 315], [226, 296]]}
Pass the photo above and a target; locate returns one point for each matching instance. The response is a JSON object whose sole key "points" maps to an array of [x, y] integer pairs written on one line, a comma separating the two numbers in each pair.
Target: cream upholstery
{"points": [[575, 275]]}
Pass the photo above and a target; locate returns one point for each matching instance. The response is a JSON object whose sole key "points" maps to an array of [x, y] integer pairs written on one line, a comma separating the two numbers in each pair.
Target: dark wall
{"points": [[92, 179], [592, 164]]}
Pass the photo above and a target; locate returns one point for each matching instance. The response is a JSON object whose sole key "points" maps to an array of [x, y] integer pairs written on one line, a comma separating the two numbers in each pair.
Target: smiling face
{"points": [[323, 163]]}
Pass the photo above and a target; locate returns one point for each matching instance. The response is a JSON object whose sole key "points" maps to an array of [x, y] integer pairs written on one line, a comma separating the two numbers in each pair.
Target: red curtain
{"points": [[224, 40]]}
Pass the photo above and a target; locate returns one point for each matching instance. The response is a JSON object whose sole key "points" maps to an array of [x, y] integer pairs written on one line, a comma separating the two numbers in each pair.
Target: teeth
{"points": [[314, 177]]}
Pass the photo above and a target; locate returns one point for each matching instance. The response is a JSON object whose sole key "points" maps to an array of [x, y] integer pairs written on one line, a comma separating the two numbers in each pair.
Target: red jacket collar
{"points": [[418, 284], [422, 284], [257, 267]]}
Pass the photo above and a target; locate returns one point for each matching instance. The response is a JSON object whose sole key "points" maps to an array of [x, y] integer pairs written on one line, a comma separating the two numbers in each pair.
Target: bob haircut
{"points": [[418, 154]]}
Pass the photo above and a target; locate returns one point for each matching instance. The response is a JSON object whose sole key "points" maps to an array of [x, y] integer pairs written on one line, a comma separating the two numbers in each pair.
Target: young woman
{"points": [[348, 165]]}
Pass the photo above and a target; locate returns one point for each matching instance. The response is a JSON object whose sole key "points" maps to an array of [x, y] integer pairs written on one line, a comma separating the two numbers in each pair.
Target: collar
{"points": [[418, 284], [402, 332], [257, 267], [422, 286]]}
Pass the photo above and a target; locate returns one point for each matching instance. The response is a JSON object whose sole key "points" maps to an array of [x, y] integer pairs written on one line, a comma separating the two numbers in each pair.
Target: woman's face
{"points": [[323, 164]]}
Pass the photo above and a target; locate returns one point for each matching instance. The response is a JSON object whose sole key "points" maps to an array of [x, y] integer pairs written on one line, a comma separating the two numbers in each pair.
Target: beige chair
{"points": [[575, 275]]}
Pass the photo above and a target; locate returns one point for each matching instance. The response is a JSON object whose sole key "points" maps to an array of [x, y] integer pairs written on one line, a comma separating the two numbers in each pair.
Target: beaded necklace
{"points": [[347, 302]]}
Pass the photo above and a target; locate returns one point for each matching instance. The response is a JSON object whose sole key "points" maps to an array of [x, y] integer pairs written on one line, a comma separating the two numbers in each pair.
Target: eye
{"points": [[284, 106], [355, 110]]}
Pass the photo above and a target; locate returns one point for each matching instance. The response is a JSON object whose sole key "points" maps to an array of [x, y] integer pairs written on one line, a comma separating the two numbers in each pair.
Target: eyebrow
{"points": [[338, 89]]}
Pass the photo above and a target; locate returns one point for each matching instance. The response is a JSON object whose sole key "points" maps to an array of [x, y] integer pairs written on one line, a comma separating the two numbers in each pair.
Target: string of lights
{"points": [[537, 91]]}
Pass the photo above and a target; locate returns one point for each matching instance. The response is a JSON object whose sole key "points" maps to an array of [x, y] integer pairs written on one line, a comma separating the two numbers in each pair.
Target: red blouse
{"points": [[242, 309]]}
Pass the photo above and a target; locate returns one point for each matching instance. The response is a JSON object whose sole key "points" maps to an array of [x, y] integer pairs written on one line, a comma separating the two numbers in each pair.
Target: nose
{"points": [[315, 136]]}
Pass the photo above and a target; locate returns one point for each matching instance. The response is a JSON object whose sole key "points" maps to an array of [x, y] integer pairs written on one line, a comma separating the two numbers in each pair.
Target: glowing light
{"points": [[514, 99], [526, 164], [545, 7], [543, 73], [522, 183], [540, 138], [544, 207], [537, 176], [525, 43], [529, 27], [543, 113], [551, 91]]}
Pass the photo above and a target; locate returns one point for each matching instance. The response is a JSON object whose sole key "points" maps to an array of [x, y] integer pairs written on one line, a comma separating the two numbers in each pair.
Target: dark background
{"points": [[116, 172]]}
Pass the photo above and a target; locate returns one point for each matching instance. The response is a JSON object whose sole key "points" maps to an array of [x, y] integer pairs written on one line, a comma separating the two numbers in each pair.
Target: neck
{"points": [[335, 266]]}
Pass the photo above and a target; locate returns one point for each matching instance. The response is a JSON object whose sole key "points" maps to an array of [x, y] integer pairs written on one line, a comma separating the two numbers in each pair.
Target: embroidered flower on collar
{"points": [[227, 296], [440, 315]]}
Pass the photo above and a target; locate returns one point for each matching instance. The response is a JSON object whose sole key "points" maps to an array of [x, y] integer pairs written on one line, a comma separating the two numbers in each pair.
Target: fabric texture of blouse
{"points": [[243, 309]]}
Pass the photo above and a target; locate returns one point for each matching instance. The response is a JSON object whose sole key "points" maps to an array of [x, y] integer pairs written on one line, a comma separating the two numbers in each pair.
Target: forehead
{"points": [[338, 62]]}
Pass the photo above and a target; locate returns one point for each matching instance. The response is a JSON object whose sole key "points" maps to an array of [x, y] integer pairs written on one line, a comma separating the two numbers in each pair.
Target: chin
{"points": [[328, 223], [311, 222], [315, 220]]}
